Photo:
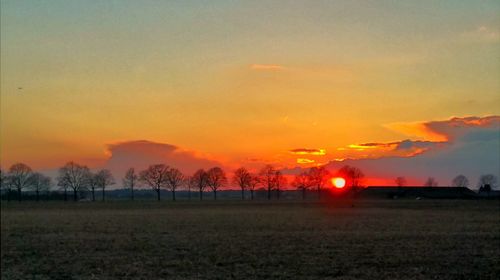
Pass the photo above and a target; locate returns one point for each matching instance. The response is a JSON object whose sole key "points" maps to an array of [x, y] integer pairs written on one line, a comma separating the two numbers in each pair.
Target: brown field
{"points": [[405, 239]]}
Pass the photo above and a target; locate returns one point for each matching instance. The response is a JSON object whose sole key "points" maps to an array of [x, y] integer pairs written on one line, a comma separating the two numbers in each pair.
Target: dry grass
{"points": [[149, 240]]}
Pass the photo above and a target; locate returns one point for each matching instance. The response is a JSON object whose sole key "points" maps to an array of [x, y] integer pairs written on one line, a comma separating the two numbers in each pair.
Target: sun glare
{"points": [[338, 182]]}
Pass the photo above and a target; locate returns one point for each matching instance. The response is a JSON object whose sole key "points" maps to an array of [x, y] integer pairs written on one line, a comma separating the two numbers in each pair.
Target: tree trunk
{"points": [[158, 193], [189, 193], [201, 194], [173, 195], [93, 194], [215, 194], [242, 194], [19, 194], [251, 194], [303, 194], [103, 194], [278, 194], [75, 194], [37, 195], [65, 194], [132, 193], [319, 192], [269, 193], [9, 191]]}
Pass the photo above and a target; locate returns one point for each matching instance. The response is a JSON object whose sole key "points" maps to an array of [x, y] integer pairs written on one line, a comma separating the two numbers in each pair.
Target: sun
{"points": [[338, 182]]}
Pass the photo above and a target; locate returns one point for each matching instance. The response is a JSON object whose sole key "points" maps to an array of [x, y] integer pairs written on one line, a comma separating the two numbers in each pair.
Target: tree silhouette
{"points": [[190, 183], [318, 177], [253, 183], [174, 180], [20, 177], [92, 183], [266, 175], [73, 176], [242, 178], [39, 183], [155, 176], [3, 179], [302, 182], [352, 175], [487, 182], [216, 178], [104, 179], [460, 181], [400, 181], [5, 185], [200, 180], [130, 181], [279, 182], [431, 182]]}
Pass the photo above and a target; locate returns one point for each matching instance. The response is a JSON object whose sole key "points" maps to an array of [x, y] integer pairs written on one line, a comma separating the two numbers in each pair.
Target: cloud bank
{"points": [[141, 153], [469, 146]]}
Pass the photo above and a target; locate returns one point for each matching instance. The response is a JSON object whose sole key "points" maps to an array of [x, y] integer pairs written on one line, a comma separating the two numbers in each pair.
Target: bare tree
{"points": [[254, 182], [174, 180], [92, 183], [5, 185], [39, 183], [279, 182], [487, 182], [216, 178], [130, 181], [460, 181], [303, 183], [400, 181], [353, 176], [189, 183], [3, 179], [242, 178], [20, 177], [431, 182], [63, 185], [73, 176], [104, 179], [266, 175], [155, 176], [200, 180], [318, 177]]}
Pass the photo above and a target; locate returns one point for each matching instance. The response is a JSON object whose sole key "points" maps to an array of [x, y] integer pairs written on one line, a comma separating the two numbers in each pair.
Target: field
{"points": [[385, 239]]}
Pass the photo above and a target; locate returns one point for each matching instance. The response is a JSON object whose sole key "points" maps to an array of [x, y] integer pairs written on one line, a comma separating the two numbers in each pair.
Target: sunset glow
{"points": [[250, 85]]}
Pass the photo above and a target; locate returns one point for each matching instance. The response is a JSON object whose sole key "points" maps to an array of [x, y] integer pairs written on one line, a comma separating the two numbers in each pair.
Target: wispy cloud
{"points": [[305, 161], [267, 67], [482, 34]]}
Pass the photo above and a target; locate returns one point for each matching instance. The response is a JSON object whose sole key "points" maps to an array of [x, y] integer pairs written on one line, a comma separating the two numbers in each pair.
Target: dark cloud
{"points": [[141, 153], [472, 149]]}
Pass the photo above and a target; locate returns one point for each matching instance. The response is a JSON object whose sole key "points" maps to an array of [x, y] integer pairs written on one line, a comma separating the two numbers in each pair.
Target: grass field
{"points": [[405, 239]]}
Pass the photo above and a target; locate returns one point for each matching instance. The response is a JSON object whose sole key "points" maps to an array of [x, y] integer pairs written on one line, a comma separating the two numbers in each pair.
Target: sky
{"points": [[238, 83]]}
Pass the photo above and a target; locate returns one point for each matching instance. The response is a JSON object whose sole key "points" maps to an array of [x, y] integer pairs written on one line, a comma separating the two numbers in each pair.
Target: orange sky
{"points": [[239, 83]]}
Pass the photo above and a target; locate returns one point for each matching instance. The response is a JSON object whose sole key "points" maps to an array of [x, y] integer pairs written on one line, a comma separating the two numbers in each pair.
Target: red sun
{"points": [[338, 182]]}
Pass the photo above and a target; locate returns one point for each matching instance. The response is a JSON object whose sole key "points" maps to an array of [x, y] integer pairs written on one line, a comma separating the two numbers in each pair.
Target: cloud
{"points": [[305, 161], [305, 151], [471, 148], [447, 130], [267, 67], [482, 34], [141, 153], [404, 148], [467, 145]]}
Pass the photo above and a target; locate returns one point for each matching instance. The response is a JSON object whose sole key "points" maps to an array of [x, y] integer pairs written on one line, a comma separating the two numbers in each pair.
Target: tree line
{"points": [[76, 180]]}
